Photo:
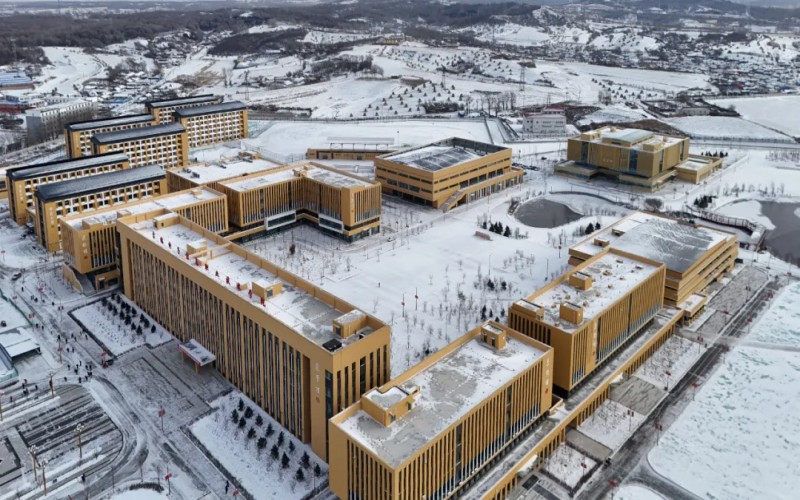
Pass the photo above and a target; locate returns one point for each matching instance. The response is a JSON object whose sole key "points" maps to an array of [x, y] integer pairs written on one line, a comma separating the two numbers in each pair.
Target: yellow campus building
{"points": [[591, 311], [211, 174], [637, 158], [59, 199], [214, 123], [447, 173], [430, 431], [164, 110], [165, 145], [78, 135], [694, 255], [294, 349], [22, 181], [89, 239], [336, 202]]}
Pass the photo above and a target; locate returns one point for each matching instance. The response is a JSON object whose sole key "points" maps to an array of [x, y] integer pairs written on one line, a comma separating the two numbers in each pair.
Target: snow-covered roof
{"points": [[61, 166], [223, 107], [110, 122], [677, 244], [171, 201], [100, 182], [311, 171], [442, 154], [448, 389], [223, 170], [295, 307], [197, 352], [183, 101], [613, 277], [632, 137]]}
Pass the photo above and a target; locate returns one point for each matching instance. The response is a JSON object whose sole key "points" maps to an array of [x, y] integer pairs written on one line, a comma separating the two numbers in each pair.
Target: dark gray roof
{"points": [[137, 133], [60, 166], [210, 109], [100, 182], [110, 122], [182, 101]]}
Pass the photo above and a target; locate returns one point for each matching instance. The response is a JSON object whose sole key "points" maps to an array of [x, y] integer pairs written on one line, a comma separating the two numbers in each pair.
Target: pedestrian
{"points": [[227, 485]]}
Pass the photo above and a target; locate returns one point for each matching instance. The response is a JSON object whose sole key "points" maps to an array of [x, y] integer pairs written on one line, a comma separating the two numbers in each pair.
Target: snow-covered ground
{"points": [[746, 209], [613, 113], [112, 331], [70, 67], [263, 476], [611, 424], [725, 127], [738, 439], [636, 492], [296, 137], [567, 465], [671, 362], [776, 112], [140, 494]]}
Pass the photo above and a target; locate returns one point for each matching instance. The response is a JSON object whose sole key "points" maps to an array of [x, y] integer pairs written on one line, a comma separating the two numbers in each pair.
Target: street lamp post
{"points": [[33, 450], [43, 463], [78, 431], [52, 390]]}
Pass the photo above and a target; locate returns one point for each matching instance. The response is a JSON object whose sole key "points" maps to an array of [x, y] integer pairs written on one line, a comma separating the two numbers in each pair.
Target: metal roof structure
{"points": [[223, 107], [60, 166], [442, 154], [182, 100], [138, 133], [101, 182], [109, 122], [9, 79]]}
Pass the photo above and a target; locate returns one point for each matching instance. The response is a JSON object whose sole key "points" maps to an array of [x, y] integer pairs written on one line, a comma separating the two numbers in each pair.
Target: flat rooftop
{"points": [[448, 389], [309, 170], [100, 182], [443, 154], [677, 244], [183, 101], [60, 166], [613, 277], [294, 307], [632, 137], [223, 107], [138, 133], [171, 202], [110, 122], [224, 170], [695, 163]]}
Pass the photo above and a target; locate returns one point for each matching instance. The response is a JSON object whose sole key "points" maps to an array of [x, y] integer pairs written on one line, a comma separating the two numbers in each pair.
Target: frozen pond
{"points": [[545, 213], [784, 240]]}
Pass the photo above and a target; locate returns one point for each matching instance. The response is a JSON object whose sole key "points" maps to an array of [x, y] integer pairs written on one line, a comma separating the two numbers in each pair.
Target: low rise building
{"points": [[59, 199], [637, 158], [213, 123], [336, 202], [47, 122], [15, 80], [429, 431], [164, 110], [549, 122], [294, 349], [78, 135], [590, 312], [22, 181], [694, 255], [89, 239], [164, 145], [447, 173], [211, 174]]}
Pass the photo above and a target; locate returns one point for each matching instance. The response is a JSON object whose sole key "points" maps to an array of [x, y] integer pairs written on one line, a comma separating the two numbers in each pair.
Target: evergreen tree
{"points": [[305, 460], [241, 422], [248, 412], [259, 421], [251, 433], [317, 470], [280, 440], [507, 232], [241, 405], [235, 416], [285, 461], [261, 443], [299, 475], [273, 452], [291, 447], [270, 430]]}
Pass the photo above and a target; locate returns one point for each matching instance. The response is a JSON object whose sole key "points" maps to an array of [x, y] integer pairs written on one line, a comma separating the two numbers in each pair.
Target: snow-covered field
{"points": [[263, 476], [611, 424], [70, 67], [671, 362], [776, 112], [451, 276], [567, 465], [725, 127], [112, 331], [636, 492], [738, 439], [296, 137], [140, 494]]}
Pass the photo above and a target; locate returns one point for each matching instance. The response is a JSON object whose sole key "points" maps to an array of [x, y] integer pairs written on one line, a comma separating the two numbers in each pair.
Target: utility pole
{"points": [[78, 431], [33, 450]]}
